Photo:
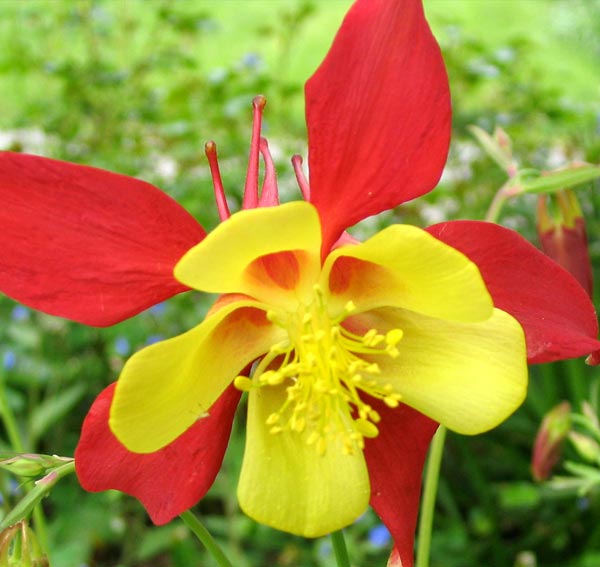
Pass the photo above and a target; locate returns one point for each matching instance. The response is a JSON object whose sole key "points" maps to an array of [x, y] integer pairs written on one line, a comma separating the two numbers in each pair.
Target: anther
{"points": [[393, 337], [350, 306], [273, 419], [243, 383], [391, 402], [366, 428]]}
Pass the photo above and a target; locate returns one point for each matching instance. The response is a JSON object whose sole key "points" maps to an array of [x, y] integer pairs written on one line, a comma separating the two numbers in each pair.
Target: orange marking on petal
{"points": [[347, 277], [241, 321], [226, 299], [281, 268]]}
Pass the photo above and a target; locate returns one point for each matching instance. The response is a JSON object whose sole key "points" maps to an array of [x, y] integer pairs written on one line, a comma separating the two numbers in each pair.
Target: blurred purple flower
{"points": [[20, 313], [158, 309], [122, 346], [9, 360], [379, 536]]}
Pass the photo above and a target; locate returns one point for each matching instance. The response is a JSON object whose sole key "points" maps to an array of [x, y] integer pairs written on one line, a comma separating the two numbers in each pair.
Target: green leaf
{"points": [[53, 409]]}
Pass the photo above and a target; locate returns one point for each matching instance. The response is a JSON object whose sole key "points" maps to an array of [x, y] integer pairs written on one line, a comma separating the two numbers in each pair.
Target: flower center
{"points": [[324, 368]]}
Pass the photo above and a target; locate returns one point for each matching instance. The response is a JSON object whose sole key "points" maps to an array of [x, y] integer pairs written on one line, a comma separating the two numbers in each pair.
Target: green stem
{"points": [[429, 496], [339, 549], [8, 417], [16, 443], [207, 540], [493, 213]]}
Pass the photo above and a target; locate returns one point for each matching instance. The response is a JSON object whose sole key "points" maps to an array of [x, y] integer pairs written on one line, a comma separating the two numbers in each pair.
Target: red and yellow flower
{"points": [[351, 353]]}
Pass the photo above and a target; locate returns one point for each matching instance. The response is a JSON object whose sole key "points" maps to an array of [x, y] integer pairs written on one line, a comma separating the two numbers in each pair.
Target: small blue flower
{"points": [[158, 309], [325, 549], [583, 503], [379, 536], [9, 360], [20, 313], [154, 339], [252, 60], [122, 346]]}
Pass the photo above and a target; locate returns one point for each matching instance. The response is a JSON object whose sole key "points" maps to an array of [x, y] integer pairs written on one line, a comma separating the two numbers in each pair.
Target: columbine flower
{"points": [[351, 353]]}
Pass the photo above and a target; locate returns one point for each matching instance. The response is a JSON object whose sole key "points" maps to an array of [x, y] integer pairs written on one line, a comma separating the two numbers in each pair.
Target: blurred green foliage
{"points": [[138, 87]]}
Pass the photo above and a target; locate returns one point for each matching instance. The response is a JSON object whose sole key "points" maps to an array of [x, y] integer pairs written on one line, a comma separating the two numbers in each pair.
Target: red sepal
{"points": [[378, 115], [554, 310], [395, 460], [87, 244], [166, 482]]}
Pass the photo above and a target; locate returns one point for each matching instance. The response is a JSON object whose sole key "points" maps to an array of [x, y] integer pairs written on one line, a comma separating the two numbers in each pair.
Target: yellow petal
{"points": [[164, 388], [285, 484], [404, 266], [467, 376], [270, 253]]}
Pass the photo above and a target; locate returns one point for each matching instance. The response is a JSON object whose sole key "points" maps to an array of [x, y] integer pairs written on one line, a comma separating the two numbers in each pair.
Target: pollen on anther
{"points": [[350, 306], [391, 402], [366, 428], [273, 419], [243, 383]]}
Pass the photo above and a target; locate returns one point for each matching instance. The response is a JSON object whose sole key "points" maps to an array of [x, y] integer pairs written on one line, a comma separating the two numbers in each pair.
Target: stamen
{"points": [[269, 196], [366, 428], [300, 177], [243, 383], [250, 200], [210, 149], [324, 370]]}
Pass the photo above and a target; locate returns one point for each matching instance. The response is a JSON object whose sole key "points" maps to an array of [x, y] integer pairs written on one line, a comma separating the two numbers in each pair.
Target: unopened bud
{"points": [[30, 464], [549, 440], [563, 236]]}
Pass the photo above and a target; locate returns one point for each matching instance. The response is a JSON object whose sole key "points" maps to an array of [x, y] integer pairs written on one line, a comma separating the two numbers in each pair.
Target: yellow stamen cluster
{"points": [[324, 367]]}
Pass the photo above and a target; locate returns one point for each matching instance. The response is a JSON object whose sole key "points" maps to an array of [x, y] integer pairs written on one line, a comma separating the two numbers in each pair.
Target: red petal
{"points": [[395, 460], [87, 244], [554, 310], [378, 115], [167, 482]]}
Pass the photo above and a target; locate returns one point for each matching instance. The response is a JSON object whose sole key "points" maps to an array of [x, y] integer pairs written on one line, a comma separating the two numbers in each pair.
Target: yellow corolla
{"points": [[402, 318]]}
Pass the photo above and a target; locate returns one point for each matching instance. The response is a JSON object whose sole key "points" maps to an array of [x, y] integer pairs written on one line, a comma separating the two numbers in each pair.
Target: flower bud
{"points": [[31, 464], [549, 440], [20, 548], [563, 236]]}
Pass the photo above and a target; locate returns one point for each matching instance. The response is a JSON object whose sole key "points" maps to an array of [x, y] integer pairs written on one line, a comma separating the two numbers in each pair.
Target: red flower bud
{"points": [[549, 440], [563, 236]]}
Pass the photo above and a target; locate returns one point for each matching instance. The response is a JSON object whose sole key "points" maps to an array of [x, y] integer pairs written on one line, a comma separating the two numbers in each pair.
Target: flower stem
{"points": [[8, 417], [16, 443], [339, 549], [429, 496], [496, 206], [207, 540]]}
